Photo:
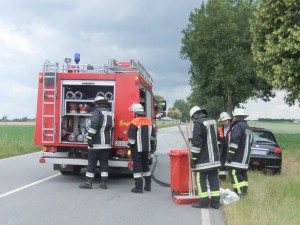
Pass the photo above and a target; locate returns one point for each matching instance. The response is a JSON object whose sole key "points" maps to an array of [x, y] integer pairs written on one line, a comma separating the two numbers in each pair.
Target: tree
{"points": [[160, 101], [174, 113], [4, 119], [184, 109], [217, 41], [276, 44]]}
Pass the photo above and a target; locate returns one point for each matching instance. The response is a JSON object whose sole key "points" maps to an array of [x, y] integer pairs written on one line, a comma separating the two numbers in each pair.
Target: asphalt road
{"points": [[32, 194]]}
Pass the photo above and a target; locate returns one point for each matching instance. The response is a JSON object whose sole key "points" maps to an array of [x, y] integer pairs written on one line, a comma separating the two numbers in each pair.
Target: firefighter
{"points": [[99, 142], [140, 133], [238, 154], [224, 135], [205, 159]]}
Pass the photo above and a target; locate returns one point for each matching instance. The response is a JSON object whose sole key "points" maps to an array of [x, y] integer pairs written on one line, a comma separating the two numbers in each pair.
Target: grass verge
{"points": [[272, 200], [16, 140]]}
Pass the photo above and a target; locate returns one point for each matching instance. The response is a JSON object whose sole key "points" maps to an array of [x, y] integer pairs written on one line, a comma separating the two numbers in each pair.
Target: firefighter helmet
{"points": [[194, 109], [224, 116], [100, 100], [136, 107], [239, 112]]}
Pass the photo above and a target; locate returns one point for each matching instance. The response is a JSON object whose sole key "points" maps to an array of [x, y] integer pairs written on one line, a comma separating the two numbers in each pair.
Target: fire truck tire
{"points": [[76, 171], [65, 172]]}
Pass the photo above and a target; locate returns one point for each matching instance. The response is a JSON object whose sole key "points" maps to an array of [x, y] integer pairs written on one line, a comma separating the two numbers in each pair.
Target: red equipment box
{"points": [[179, 172], [180, 177]]}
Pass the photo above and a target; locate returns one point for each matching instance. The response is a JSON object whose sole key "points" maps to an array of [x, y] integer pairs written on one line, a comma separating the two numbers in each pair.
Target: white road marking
{"points": [[205, 217], [28, 185], [12, 157]]}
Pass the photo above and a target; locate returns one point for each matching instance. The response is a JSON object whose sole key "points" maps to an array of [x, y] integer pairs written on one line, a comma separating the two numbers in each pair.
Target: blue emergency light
{"points": [[77, 58]]}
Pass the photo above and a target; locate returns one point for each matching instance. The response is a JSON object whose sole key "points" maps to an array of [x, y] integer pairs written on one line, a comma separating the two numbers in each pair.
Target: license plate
{"points": [[258, 152], [120, 143]]}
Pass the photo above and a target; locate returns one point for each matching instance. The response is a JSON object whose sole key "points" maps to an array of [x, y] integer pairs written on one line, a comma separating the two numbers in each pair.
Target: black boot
{"points": [[87, 184], [202, 203], [147, 183], [103, 183], [215, 202], [244, 191], [138, 186]]}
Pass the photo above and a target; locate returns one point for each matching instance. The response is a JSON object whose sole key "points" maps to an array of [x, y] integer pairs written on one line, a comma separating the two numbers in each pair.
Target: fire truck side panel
{"points": [[127, 93]]}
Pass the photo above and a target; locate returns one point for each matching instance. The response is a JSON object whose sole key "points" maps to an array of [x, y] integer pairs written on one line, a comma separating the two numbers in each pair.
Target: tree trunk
{"points": [[229, 105]]}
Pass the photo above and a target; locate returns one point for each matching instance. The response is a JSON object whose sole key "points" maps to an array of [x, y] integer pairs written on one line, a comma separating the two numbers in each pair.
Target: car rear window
{"points": [[263, 136]]}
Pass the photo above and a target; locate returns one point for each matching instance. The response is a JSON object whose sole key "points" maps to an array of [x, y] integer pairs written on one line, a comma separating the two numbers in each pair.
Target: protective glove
{"points": [[129, 146], [230, 155], [90, 141], [152, 146], [193, 163], [193, 159]]}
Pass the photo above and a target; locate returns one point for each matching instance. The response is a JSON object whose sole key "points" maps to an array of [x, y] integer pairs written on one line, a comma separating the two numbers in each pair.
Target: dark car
{"points": [[266, 154]]}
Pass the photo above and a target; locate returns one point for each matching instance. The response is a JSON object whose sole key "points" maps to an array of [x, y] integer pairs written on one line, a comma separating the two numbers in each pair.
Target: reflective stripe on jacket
{"points": [[240, 141], [139, 133], [204, 143], [102, 123]]}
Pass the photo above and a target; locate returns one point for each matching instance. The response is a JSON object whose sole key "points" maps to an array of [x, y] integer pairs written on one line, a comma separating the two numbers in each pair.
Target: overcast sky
{"points": [[32, 31]]}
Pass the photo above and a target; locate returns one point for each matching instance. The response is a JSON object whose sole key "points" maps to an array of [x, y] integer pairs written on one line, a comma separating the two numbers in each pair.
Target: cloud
{"points": [[147, 31], [275, 109]]}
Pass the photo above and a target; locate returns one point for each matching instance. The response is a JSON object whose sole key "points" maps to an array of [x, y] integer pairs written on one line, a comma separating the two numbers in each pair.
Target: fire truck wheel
{"points": [[63, 172], [76, 171]]}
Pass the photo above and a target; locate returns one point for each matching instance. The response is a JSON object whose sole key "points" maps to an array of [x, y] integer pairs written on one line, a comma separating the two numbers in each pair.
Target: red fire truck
{"points": [[65, 104]]}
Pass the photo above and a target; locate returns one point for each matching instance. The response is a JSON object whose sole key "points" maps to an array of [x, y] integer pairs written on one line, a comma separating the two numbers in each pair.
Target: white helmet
{"points": [[194, 109], [239, 112], [101, 101], [98, 98], [224, 116], [136, 107]]}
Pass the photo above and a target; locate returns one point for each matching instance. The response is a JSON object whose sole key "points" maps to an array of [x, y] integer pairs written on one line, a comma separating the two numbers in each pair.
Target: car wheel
{"points": [[276, 171], [271, 172]]}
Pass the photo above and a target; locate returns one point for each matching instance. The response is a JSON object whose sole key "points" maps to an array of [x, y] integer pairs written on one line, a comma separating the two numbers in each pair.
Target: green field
{"points": [[16, 140], [278, 127]]}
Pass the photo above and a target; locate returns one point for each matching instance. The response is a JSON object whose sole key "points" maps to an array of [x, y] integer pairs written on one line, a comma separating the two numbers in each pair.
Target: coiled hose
{"points": [[154, 178]]}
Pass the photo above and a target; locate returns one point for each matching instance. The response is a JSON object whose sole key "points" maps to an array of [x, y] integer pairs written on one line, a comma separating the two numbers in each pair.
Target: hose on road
{"points": [[154, 178]]}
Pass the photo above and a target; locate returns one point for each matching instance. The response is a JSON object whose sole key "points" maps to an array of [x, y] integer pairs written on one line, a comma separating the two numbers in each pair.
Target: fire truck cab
{"points": [[65, 104]]}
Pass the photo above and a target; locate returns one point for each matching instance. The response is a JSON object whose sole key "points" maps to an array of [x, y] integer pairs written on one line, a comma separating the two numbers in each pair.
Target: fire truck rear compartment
{"points": [[78, 106]]}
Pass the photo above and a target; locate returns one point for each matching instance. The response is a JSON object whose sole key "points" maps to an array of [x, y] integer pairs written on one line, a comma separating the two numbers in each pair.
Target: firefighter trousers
{"points": [[100, 155], [140, 164], [239, 180], [212, 177]]}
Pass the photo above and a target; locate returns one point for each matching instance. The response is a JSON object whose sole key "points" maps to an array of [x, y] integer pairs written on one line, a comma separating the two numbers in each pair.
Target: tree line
{"points": [[24, 119]]}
